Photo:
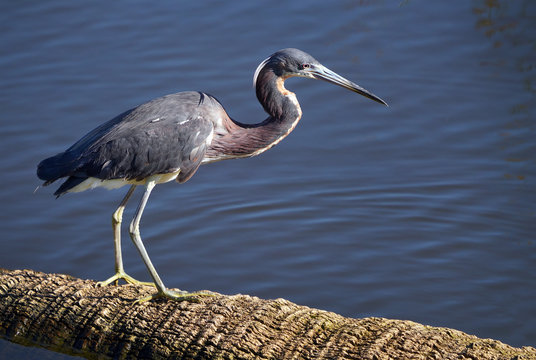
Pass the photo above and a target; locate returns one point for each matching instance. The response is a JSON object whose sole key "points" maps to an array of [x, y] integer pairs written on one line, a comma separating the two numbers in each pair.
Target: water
{"points": [[423, 211]]}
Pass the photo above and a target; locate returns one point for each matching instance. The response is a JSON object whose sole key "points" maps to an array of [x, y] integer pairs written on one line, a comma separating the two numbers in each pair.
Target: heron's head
{"points": [[293, 62]]}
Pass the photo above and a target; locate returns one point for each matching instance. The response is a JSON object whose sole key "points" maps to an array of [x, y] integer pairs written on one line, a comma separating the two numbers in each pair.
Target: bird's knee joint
{"points": [[117, 216], [116, 219], [133, 229]]}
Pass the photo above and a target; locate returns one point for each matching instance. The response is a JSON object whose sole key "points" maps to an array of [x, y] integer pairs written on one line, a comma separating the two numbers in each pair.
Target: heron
{"points": [[168, 138]]}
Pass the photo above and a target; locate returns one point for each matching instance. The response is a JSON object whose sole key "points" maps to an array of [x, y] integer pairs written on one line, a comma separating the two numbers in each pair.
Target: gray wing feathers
{"points": [[161, 136]]}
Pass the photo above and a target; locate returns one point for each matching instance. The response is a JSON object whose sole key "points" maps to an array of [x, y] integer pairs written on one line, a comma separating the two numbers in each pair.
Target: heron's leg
{"points": [[136, 238], [117, 217]]}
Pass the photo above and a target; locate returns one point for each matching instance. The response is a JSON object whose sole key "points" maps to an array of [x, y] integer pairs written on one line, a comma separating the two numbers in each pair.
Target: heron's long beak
{"points": [[323, 73]]}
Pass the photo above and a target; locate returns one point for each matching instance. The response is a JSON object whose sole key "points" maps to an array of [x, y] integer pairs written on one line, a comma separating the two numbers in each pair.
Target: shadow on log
{"points": [[74, 316]]}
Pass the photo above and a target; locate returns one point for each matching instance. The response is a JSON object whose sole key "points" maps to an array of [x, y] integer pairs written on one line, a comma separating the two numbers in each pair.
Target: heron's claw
{"points": [[124, 276], [176, 295]]}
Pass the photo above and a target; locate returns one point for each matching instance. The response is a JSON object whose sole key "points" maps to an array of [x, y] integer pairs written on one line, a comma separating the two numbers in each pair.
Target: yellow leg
{"points": [[136, 239], [120, 273]]}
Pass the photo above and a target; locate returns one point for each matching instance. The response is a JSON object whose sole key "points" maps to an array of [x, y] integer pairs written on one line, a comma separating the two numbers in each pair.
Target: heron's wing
{"points": [[158, 137], [153, 144], [166, 135]]}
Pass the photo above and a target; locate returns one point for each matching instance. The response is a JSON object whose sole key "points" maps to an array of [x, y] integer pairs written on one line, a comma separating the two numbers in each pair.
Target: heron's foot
{"points": [[177, 296], [121, 275]]}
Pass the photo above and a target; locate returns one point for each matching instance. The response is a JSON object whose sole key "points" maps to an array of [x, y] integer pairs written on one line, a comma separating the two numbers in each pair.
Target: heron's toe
{"points": [[177, 296], [121, 275]]}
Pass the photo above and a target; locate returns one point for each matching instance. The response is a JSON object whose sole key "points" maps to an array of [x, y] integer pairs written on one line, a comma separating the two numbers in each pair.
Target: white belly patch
{"points": [[91, 182]]}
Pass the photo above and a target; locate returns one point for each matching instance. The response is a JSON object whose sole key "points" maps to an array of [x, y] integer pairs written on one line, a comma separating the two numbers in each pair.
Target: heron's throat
{"points": [[280, 84]]}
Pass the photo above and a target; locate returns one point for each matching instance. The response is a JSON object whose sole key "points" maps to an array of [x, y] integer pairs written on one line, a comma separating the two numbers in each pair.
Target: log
{"points": [[74, 316]]}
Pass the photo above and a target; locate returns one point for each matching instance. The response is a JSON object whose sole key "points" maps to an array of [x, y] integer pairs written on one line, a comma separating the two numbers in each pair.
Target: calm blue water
{"points": [[425, 210]]}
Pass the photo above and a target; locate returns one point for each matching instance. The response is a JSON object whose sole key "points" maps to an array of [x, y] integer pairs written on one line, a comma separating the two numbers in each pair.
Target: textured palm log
{"points": [[74, 316]]}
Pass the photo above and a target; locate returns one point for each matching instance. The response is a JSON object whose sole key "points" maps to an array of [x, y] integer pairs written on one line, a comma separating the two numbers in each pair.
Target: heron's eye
{"points": [[305, 66]]}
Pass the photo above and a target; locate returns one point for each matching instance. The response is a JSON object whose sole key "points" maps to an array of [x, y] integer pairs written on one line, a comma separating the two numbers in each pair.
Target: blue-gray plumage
{"points": [[162, 136], [168, 138]]}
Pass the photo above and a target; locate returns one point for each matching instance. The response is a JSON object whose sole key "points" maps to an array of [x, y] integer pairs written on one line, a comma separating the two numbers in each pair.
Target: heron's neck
{"points": [[244, 140], [277, 101]]}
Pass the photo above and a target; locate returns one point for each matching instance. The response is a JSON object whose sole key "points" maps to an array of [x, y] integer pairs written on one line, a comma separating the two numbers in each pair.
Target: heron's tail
{"points": [[55, 167], [59, 166]]}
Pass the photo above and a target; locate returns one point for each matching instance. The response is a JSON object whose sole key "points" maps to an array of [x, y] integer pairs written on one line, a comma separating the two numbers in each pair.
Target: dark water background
{"points": [[425, 210]]}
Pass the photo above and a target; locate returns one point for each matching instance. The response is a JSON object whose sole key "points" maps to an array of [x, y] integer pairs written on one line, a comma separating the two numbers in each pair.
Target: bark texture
{"points": [[74, 316]]}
